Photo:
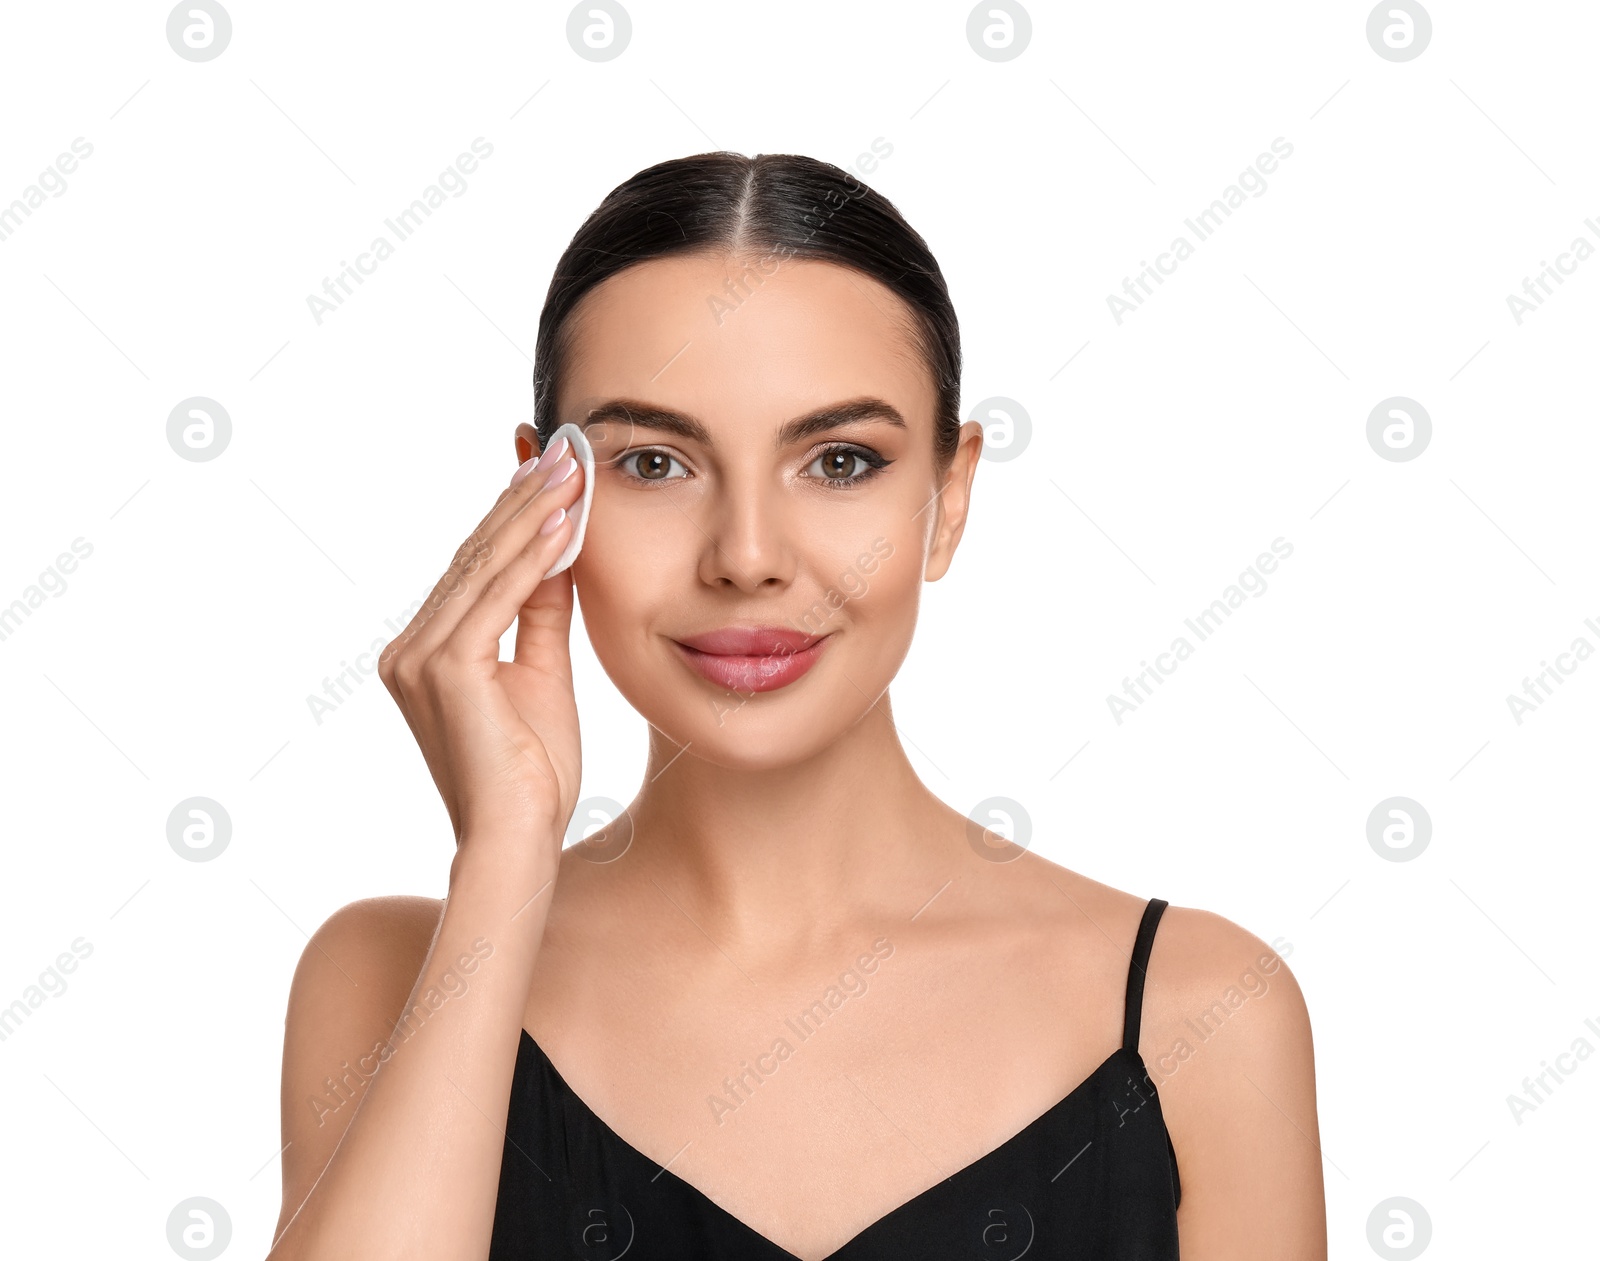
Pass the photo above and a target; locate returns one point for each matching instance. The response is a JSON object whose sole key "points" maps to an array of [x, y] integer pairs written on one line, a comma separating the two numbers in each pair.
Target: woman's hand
{"points": [[500, 737]]}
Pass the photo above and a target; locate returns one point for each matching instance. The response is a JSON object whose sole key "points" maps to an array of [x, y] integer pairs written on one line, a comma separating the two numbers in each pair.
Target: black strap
{"points": [[1136, 967]]}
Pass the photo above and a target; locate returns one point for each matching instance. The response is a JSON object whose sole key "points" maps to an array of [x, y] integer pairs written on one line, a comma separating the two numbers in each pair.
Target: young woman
{"points": [[785, 1006]]}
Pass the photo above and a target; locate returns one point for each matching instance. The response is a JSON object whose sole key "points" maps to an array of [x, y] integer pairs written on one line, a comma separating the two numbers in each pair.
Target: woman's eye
{"points": [[650, 465], [835, 468], [846, 466]]}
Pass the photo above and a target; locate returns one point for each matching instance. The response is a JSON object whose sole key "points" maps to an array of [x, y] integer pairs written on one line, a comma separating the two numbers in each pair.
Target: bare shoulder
{"points": [[350, 986], [1203, 972], [1208, 974], [1226, 1035]]}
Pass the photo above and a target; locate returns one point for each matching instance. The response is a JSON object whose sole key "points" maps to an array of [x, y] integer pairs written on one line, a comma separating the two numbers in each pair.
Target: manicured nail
{"points": [[552, 453], [564, 470], [553, 521]]}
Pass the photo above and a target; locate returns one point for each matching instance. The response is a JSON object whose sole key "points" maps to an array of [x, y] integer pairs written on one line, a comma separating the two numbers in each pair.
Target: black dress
{"points": [[1095, 1176]]}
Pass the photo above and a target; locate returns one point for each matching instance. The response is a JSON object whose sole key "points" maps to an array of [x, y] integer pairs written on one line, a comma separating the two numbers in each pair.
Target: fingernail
{"points": [[553, 521], [564, 470], [553, 452]]}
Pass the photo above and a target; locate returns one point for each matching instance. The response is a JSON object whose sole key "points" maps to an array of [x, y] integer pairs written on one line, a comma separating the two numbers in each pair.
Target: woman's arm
{"points": [[407, 1164], [1234, 1066], [399, 1046]]}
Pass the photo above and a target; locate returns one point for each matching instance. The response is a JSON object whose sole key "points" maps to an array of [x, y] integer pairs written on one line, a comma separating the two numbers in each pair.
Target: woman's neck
{"points": [[797, 853]]}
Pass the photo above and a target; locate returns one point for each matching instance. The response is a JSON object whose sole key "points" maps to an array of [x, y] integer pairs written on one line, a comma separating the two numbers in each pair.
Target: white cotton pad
{"points": [[579, 512]]}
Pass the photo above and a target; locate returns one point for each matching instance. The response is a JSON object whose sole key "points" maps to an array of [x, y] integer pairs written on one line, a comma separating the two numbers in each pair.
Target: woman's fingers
{"points": [[544, 623], [519, 588], [502, 536]]}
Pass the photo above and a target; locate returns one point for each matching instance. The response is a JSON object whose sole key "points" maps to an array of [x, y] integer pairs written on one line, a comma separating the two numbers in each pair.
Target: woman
{"points": [[785, 1006]]}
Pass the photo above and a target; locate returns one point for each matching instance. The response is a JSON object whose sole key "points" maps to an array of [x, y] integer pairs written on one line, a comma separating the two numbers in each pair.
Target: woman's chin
{"points": [[744, 734]]}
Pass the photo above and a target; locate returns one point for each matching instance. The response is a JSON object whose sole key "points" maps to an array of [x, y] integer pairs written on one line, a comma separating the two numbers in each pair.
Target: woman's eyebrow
{"points": [[640, 415]]}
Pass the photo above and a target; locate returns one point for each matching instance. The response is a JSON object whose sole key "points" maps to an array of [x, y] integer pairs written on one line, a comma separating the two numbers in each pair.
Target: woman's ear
{"points": [[527, 443], [954, 498]]}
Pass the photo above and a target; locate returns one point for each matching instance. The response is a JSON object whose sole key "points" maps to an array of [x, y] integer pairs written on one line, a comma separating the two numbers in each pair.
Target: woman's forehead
{"points": [[710, 335]]}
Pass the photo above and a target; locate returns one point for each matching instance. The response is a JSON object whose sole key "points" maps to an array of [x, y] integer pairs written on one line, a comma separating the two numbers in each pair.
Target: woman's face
{"points": [[726, 499]]}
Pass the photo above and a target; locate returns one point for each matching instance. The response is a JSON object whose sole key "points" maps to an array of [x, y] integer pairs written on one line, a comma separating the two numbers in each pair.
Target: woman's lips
{"points": [[760, 660]]}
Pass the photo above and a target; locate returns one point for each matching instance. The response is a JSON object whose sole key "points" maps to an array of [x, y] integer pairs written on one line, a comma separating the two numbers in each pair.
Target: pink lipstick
{"points": [[751, 658]]}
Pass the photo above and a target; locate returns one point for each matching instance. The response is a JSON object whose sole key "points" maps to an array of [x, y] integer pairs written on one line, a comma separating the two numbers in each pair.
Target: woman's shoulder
{"points": [[1194, 950], [385, 920], [351, 984], [384, 938], [1226, 1037], [359, 966], [1204, 971]]}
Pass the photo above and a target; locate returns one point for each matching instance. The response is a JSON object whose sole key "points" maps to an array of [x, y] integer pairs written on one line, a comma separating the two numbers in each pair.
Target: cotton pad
{"points": [[579, 512]]}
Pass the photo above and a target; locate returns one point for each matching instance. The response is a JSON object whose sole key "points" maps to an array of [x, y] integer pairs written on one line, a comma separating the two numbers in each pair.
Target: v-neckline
{"points": [[838, 1254]]}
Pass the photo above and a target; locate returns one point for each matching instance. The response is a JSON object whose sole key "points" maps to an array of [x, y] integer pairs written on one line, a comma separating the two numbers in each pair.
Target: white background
{"points": [[1166, 453]]}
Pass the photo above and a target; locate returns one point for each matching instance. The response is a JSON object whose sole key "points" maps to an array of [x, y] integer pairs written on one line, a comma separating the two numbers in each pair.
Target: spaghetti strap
{"points": [[1136, 969]]}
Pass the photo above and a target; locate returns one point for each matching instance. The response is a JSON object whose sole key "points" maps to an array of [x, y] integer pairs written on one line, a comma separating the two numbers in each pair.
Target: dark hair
{"points": [[773, 204]]}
